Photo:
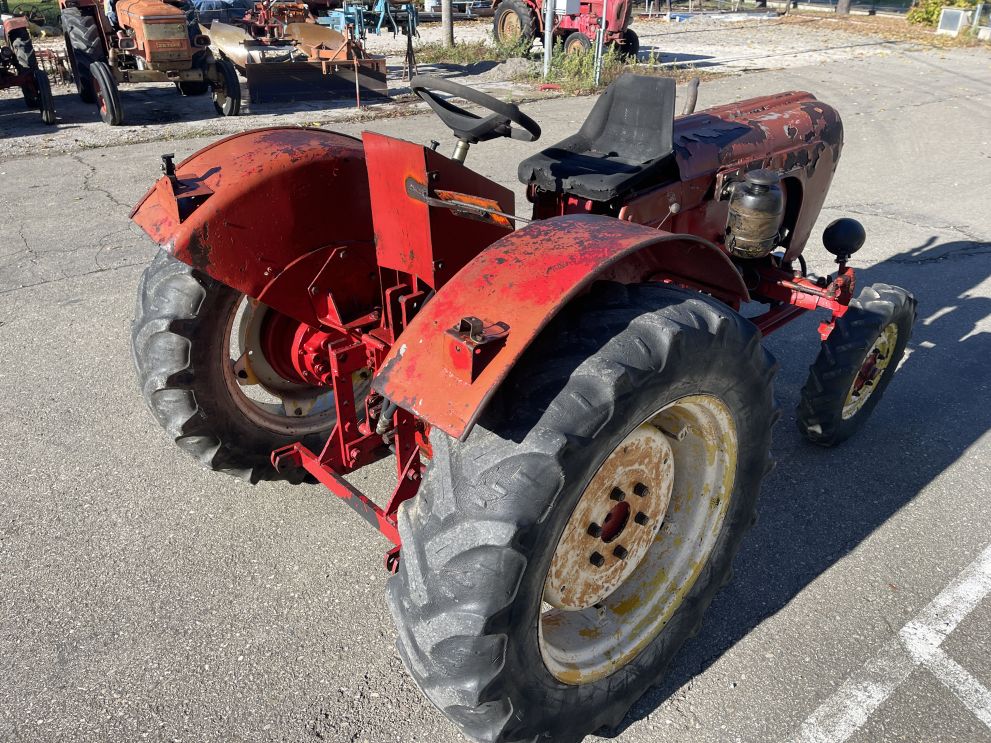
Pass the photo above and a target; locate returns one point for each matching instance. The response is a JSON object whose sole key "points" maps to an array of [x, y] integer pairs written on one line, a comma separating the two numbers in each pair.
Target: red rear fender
{"points": [[454, 354], [247, 207]]}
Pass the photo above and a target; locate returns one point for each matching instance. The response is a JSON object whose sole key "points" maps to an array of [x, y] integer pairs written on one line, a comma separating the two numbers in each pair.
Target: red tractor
{"points": [[146, 41], [579, 414], [19, 65], [518, 22]]}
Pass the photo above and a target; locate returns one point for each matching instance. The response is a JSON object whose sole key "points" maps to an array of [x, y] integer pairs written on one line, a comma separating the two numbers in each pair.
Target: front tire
{"points": [[227, 92], [107, 94], [46, 103], [482, 542], [577, 43], [630, 48], [181, 344], [856, 364]]}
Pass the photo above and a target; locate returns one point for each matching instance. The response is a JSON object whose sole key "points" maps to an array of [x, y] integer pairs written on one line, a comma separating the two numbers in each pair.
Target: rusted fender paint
{"points": [[793, 133], [522, 281], [277, 194]]}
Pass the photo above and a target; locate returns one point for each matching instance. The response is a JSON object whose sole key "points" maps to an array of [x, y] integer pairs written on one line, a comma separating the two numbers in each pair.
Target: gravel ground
{"points": [[156, 112]]}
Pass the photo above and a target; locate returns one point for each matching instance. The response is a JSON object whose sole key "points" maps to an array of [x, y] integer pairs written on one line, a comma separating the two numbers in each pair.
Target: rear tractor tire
{"points": [[186, 328], [107, 94], [513, 24], [227, 89], [856, 364], [83, 46], [556, 560]]}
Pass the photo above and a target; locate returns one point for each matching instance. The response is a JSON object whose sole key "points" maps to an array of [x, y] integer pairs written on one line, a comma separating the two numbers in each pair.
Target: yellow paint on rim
{"points": [[878, 358], [586, 645]]}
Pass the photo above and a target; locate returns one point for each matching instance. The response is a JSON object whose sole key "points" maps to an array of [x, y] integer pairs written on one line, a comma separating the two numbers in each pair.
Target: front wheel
{"points": [[201, 353], [227, 89], [630, 46], [577, 43], [556, 560], [107, 94], [46, 103], [856, 364]]}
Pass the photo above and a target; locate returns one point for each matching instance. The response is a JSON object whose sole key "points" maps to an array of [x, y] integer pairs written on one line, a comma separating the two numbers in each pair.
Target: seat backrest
{"points": [[633, 119]]}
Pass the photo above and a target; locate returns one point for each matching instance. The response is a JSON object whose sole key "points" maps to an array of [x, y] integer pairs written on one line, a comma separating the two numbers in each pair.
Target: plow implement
{"points": [[306, 62]]}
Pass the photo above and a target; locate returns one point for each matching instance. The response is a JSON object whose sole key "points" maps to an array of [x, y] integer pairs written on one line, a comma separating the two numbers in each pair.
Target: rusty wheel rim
{"points": [[510, 26], [875, 362], [261, 393], [638, 538]]}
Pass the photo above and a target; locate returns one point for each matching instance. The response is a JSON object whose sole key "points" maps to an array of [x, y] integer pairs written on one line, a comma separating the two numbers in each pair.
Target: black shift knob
{"points": [[844, 237]]}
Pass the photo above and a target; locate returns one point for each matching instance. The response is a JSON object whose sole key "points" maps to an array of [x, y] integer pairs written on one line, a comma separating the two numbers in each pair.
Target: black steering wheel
{"points": [[467, 126]]}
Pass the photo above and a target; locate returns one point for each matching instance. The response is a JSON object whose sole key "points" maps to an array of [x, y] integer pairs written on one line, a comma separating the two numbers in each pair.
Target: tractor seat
{"points": [[625, 140]]}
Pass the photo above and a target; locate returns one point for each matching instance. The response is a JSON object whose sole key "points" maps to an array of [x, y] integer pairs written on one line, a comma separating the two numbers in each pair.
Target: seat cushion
{"points": [[625, 140]]}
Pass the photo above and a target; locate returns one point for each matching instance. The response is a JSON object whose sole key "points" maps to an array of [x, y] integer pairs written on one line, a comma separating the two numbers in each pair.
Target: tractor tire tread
{"points": [[819, 410], [170, 298], [471, 519]]}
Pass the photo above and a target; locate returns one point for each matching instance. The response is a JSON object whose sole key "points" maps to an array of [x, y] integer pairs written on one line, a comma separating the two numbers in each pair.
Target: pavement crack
{"points": [[888, 212], [56, 280], [88, 182]]}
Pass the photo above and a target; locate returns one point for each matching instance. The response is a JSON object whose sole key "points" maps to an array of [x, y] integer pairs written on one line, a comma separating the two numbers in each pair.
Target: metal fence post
{"points": [[548, 35]]}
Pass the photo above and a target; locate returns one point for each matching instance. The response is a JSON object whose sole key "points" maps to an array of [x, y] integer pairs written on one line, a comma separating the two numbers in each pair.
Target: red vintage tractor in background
{"points": [[579, 414], [518, 22], [19, 65], [150, 41]]}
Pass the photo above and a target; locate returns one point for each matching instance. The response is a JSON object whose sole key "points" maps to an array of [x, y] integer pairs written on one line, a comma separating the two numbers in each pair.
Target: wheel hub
{"points": [[617, 577], [877, 360], [614, 523]]}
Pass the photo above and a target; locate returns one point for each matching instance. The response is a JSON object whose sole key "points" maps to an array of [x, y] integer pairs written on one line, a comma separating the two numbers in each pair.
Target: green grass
{"points": [[467, 52]]}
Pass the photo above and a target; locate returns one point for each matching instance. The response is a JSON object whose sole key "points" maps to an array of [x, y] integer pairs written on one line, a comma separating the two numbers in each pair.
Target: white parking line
{"points": [[917, 643]]}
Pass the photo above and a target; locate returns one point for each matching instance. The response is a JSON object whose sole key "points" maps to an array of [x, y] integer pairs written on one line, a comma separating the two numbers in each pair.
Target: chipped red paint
{"points": [[521, 282], [276, 196]]}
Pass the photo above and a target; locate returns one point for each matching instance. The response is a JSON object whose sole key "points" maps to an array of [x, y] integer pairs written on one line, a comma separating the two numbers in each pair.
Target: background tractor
{"points": [[19, 65], [151, 41], [576, 24], [578, 411]]}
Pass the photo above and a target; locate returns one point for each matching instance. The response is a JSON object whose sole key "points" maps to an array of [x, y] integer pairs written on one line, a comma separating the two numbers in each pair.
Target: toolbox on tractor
{"points": [[578, 413]]}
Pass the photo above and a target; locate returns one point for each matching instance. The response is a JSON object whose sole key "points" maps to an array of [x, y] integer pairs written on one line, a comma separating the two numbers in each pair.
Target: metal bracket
{"points": [[471, 345]]}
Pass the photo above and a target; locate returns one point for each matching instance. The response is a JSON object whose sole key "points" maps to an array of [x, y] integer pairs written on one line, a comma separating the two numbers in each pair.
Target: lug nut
{"points": [[597, 559], [641, 518], [640, 489], [620, 552], [594, 530], [617, 494]]}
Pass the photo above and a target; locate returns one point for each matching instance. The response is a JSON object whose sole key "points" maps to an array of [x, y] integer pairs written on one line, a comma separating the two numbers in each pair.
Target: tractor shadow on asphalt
{"points": [[820, 504]]}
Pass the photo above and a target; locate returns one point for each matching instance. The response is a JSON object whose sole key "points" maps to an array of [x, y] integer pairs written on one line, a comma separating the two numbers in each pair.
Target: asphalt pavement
{"points": [[142, 598]]}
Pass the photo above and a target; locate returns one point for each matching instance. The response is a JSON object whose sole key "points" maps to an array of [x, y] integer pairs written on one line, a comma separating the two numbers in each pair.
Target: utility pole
{"points": [[447, 22], [843, 7]]}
